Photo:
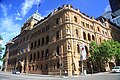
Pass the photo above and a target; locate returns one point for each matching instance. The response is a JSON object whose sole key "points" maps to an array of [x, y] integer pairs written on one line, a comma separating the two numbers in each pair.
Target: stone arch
{"points": [[93, 37], [89, 37], [75, 18], [84, 35], [86, 48]]}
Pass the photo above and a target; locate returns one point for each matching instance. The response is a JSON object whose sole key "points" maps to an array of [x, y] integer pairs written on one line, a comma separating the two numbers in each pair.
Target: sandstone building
{"points": [[62, 32]]}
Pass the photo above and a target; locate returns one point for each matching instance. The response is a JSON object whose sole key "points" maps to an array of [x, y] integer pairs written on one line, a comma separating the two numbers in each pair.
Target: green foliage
{"points": [[104, 51], [94, 51], [101, 53]]}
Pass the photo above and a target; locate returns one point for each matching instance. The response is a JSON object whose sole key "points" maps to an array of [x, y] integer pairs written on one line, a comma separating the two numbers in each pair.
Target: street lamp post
{"points": [[60, 62]]}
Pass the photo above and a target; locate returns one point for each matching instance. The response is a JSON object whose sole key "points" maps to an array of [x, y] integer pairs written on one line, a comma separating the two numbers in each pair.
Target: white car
{"points": [[116, 69]]}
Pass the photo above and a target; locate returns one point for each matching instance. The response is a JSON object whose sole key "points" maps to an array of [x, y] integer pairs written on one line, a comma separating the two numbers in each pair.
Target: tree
{"points": [[94, 51], [103, 52], [110, 49], [95, 57], [1, 40]]}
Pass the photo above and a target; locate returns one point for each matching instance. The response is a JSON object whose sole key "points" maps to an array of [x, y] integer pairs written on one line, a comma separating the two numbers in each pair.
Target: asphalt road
{"points": [[99, 76]]}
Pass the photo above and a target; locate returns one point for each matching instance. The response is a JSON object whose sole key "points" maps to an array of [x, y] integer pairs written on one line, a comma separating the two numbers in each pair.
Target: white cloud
{"points": [[8, 27], [27, 5], [18, 18], [4, 9], [18, 14], [108, 8]]}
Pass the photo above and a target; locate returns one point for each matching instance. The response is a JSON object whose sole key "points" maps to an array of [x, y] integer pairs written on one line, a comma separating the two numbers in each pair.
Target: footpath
{"points": [[63, 76]]}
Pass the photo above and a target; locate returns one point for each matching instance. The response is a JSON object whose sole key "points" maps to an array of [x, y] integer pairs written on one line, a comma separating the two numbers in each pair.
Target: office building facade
{"points": [[52, 45]]}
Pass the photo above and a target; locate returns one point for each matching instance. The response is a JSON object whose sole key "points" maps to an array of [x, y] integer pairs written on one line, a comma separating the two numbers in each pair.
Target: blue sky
{"points": [[13, 13]]}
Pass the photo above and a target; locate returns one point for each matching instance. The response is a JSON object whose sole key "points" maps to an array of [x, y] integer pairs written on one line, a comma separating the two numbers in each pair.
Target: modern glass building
{"points": [[115, 5]]}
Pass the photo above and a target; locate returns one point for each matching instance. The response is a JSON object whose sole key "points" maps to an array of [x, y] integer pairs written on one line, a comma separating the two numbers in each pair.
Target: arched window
{"points": [[84, 35], [35, 43], [46, 53], [58, 64], [42, 54], [78, 48], [57, 35], [43, 41], [47, 39], [93, 38], [38, 42], [57, 50], [38, 55], [98, 29], [86, 48], [100, 40], [33, 67], [34, 56], [75, 18], [46, 66], [76, 32], [30, 57], [31, 45], [89, 37]]}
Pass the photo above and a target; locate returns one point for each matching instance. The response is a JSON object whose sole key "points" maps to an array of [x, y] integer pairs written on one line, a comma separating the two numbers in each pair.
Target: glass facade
{"points": [[115, 5]]}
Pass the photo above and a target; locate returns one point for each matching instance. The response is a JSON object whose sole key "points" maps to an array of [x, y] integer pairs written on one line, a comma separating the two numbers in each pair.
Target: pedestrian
{"points": [[65, 73]]}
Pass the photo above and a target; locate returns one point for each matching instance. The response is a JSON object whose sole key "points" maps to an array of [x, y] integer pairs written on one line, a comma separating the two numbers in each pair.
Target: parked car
{"points": [[15, 72], [116, 69]]}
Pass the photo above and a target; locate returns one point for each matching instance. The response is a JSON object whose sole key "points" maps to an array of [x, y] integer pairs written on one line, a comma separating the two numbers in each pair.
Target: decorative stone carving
{"points": [[67, 18]]}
